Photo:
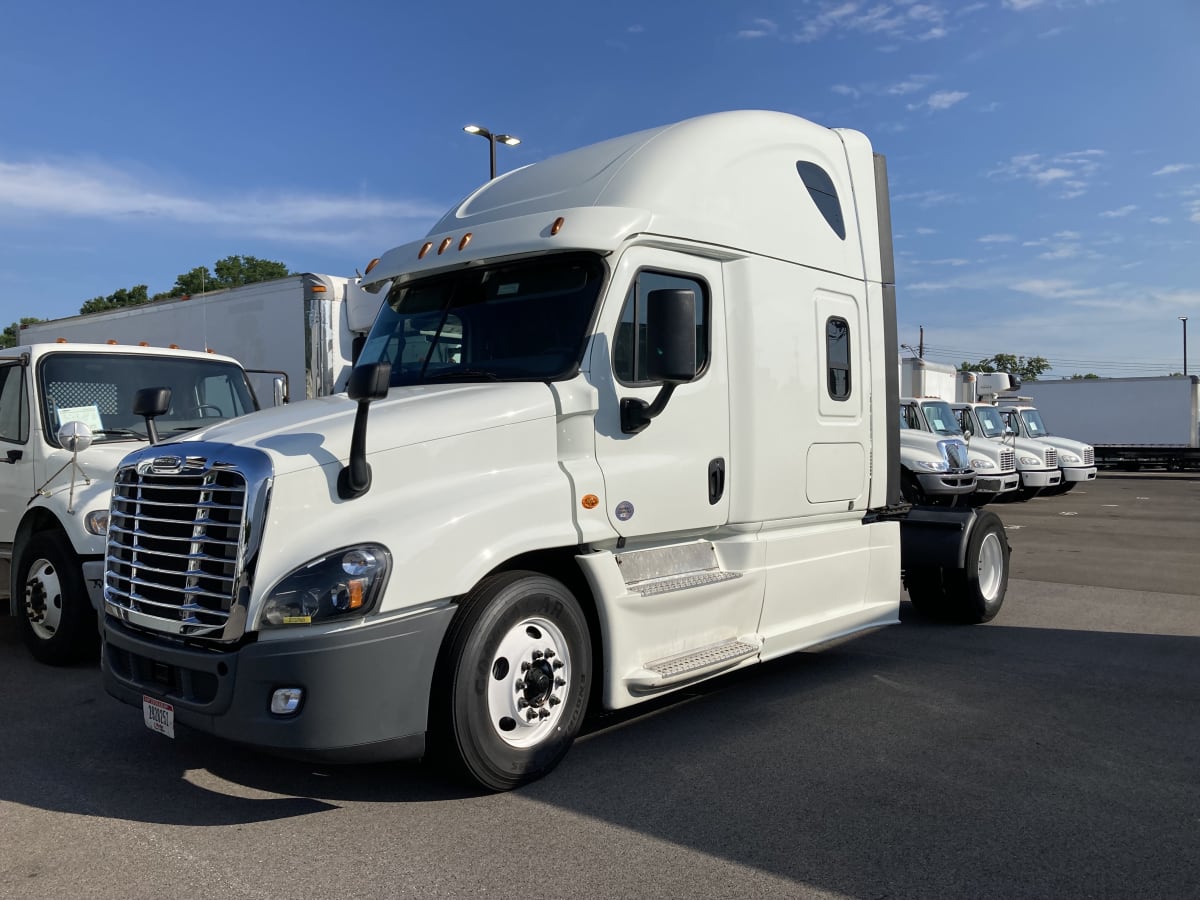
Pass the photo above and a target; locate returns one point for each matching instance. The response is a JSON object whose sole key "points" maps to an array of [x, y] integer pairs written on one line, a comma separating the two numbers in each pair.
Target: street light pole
{"points": [[508, 139], [1184, 319]]}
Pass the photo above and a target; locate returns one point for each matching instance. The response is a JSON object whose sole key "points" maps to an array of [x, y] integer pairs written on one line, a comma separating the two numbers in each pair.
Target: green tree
{"points": [[234, 271], [1027, 368], [1078, 377], [133, 296], [12, 334]]}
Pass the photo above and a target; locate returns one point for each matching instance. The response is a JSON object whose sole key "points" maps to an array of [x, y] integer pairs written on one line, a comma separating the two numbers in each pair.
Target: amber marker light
{"points": [[318, 288], [372, 264], [110, 341], [590, 501], [557, 226], [424, 249], [443, 245], [466, 239]]}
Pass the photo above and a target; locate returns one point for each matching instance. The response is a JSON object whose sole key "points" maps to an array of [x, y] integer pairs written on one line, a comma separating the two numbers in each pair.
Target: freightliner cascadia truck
{"points": [[626, 420]]}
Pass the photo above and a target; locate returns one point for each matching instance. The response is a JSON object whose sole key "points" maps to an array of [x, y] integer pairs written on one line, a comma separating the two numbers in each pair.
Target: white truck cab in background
{"points": [[935, 459], [1076, 460], [66, 421], [993, 461], [305, 326], [626, 420]]}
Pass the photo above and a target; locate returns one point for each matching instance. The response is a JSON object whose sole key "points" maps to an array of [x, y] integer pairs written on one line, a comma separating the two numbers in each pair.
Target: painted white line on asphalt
{"points": [[1068, 513]]}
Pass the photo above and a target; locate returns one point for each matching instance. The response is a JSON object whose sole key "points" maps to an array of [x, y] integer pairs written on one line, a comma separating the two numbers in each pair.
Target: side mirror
{"points": [[670, 353], [149, 403], [75, 436], [366, 383], [279, 390]]}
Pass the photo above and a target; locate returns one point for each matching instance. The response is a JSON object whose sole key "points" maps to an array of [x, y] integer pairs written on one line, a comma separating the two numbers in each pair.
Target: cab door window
{"points": [[629, 345], [14, 411]]}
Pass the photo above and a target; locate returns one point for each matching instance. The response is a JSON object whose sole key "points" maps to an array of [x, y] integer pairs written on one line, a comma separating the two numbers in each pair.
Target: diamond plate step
{"points": [[693, 664]]}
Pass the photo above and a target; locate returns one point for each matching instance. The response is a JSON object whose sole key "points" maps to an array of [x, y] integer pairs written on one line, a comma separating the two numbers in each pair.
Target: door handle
{"points": [[716, 480]]}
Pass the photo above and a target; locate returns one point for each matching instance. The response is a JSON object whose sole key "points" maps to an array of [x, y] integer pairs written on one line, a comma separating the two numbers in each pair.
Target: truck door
{"points": [[16, 457], [673, 476]]}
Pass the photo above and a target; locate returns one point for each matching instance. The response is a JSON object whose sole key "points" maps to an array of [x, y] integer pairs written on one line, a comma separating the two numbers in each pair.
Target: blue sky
{"points": [[1044, 155]]}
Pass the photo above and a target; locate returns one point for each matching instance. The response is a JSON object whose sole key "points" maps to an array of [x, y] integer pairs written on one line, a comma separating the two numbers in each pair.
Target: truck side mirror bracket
{"points": [[151, 402], [366, 383], [670, 353]]}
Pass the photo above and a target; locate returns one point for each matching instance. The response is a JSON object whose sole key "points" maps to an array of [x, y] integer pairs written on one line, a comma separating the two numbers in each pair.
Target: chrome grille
{"points": [[1051, 457], [1008, 460], [174, 550], [1089, 456], [956, 454]]}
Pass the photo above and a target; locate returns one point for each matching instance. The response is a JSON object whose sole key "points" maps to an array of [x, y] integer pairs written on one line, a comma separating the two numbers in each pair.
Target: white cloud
{"points": [[926, 231], [1120, 212], [92, 191], [997, 238], [762, 28], [1175, 168], [635, 29], [926, 199], [1067, 173], [1021, 5], [846, 91], [902, 21], [1052, 288], [1160, 220], [940, 100]]}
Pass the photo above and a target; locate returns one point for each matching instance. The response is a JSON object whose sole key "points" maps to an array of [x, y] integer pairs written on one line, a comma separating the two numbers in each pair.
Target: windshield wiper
{"points": [[127, 432], [463, 375]]}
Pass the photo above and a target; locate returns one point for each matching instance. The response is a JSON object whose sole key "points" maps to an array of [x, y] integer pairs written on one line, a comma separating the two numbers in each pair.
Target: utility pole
{"points": [[921, 344]]}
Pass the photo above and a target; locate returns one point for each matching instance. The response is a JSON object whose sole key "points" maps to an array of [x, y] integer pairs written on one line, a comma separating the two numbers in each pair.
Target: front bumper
{"points": [[1040, 478], [947, 484], [1079, 473], [997, 484], [366, 691]]}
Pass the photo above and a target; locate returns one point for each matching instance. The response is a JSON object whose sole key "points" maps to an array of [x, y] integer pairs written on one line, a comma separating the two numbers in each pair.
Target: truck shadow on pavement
{"points": [[925, 759]]}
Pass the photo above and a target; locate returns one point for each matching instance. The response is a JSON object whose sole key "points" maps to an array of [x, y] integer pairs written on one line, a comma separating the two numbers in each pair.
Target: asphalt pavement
{"points": [[1054, 752]]}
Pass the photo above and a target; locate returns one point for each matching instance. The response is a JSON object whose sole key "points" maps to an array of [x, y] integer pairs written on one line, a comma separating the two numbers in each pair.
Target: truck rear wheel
{"points": [[58, 624], [512, 680], [974, 593]]}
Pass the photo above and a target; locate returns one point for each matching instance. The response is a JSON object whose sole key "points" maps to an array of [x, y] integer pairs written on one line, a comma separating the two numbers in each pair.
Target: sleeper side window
{"points": [[837, 356]]}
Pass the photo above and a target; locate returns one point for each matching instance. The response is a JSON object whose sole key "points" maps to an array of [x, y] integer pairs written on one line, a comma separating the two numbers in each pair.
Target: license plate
{"points": [[159, 716]]}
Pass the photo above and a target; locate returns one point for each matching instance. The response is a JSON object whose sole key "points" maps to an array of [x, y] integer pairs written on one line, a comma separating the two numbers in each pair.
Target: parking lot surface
{"points": [[1054, 752]]}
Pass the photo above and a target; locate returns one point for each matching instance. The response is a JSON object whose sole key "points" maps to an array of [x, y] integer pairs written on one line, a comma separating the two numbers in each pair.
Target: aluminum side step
{"points": [[675, 568], [692, 664]]}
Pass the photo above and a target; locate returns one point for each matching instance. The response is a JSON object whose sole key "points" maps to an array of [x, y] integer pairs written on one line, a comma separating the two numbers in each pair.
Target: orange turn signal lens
{"points": [[590, 501]]}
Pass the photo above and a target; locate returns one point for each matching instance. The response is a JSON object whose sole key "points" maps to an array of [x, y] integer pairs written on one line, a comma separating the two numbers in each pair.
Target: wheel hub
{"points": [[530, 679], [43, 599]]}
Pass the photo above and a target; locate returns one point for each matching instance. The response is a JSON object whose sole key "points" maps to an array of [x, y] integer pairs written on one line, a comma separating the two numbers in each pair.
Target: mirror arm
{"points": [[636, 414]]}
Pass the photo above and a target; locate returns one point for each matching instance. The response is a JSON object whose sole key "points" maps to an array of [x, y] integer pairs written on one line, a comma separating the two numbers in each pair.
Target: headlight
{"points": [[982, 464], [347, 582], [933, 466], [1030, 461], [1069, 458]]}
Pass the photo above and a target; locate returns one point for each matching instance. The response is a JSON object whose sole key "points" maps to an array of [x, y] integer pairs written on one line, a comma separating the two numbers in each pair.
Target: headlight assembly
{"points": [[1069, 458], [344, 583], [933, 466], [1030, 461], [982, 464]]}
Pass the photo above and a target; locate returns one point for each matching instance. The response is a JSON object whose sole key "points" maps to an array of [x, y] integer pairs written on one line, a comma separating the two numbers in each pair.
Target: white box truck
{"points": [[56, 401], [626, 420], [1131, 422], [304, 325]]}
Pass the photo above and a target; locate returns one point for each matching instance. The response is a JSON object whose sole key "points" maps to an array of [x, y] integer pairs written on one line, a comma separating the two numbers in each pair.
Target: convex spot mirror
{"points": [[75, 436]]}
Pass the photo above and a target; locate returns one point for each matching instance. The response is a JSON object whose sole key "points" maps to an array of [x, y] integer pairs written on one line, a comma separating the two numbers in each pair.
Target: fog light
{"points": [[286, 701]]}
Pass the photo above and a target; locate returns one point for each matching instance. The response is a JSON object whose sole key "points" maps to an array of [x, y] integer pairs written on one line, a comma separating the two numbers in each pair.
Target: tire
{"points": [[58, 624], [504, 711], [976, 592], [927, 592], [911, 490]]}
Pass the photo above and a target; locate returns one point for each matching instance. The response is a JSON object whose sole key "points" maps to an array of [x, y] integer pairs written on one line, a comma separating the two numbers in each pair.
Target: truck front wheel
{"points": [[512, 680], [58, 624]]}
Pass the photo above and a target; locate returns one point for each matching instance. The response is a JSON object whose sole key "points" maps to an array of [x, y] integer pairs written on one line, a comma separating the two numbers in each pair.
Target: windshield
{"points": [[940, 417], [991, 423], [520, 321], [98, 389], [1033, 421]]}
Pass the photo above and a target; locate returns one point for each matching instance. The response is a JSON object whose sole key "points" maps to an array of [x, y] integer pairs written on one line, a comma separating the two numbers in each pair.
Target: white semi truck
{"points": [[625, 421], [1131, 422], [56, 401], [306, 326]]}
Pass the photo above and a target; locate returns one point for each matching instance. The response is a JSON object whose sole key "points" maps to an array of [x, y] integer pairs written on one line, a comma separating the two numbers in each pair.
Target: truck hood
{"points": [[1066, 445], [317, 432]]}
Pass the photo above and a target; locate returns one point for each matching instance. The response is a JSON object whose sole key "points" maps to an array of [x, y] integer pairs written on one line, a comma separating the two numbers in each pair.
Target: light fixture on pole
{"points": [[508, 139], [1184, 319]]}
